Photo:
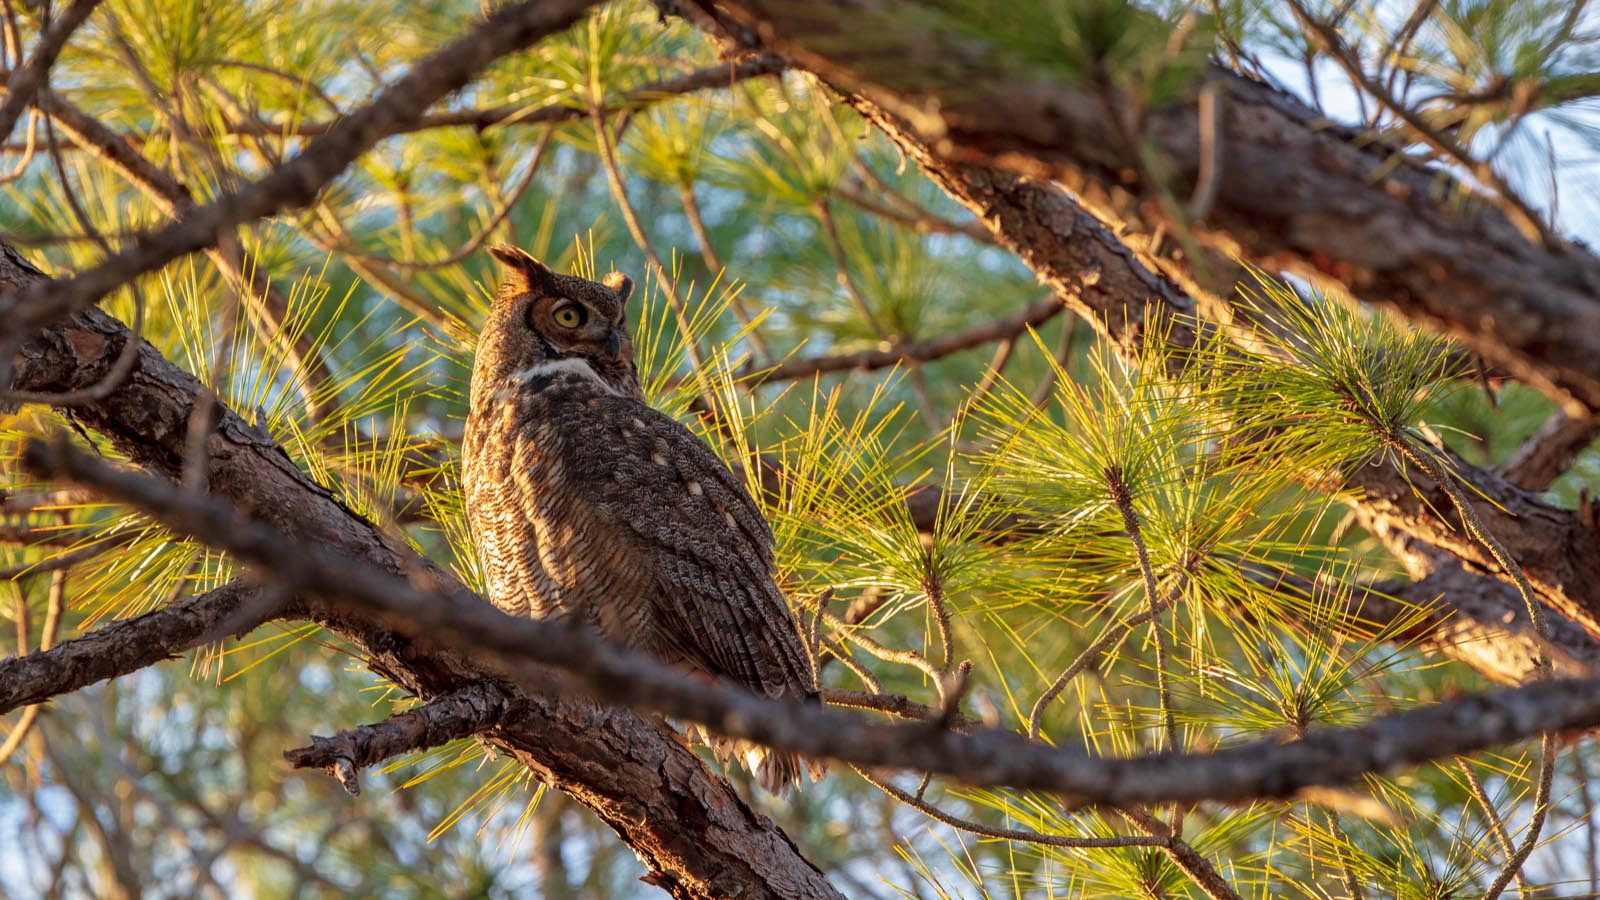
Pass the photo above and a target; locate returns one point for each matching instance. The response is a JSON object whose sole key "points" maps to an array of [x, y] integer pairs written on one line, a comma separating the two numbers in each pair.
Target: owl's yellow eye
{"points": [[569, 315]]}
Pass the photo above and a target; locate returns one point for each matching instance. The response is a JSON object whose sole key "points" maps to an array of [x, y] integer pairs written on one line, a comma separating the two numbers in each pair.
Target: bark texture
{"points": [[1293, 191]]}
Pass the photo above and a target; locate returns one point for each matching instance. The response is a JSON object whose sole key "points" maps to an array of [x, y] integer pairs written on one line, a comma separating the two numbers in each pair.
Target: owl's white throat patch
{"points": [[574, 364]]}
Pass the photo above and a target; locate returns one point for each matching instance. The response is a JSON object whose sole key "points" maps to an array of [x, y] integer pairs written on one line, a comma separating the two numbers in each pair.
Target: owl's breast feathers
{"points": [[587, 502]]}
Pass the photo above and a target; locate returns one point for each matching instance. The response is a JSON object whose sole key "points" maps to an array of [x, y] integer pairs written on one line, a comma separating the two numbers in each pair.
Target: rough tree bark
{"points": [[1292, 191]]}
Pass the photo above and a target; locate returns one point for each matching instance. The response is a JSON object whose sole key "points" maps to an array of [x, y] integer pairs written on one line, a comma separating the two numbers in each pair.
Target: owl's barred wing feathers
{"points": [[680, 514]]}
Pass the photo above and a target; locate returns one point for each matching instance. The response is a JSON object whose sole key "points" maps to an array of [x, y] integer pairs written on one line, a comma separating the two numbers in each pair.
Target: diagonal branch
{"points": [[297, 182], [1031, 316], [1549, 451], [480, 119], [132, 644], [30, 76]]}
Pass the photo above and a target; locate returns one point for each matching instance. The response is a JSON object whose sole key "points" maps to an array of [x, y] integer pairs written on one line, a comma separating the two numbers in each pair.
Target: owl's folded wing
{"points": [[669, 507]]}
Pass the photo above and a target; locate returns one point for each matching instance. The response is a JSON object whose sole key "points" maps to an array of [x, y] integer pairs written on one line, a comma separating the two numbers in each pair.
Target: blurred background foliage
{"points": [[766, 223]]}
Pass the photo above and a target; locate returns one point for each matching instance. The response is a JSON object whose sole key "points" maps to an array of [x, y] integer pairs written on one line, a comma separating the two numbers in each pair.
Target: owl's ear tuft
{"points": [[620, 283], [525, 275]]}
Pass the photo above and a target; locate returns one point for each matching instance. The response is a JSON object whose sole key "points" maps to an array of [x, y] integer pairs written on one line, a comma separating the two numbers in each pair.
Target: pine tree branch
{"points": [[1294, 192], [129, 645], [479, 119], [298, 181], [1559, 549], [1033, 315], [458, 714], [451, 621], [24, 80], [1549, 451]]}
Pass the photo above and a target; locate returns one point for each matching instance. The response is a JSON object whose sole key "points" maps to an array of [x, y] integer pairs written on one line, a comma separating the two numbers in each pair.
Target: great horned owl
{"points": [[587, 503]]}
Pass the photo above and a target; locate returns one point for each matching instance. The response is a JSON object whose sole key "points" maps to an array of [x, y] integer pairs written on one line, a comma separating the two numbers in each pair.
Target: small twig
{"points": [[1210, 163], [1497, 826], [305, 84], [1183, 855], [952, 691], [1008, 834], [70, 558], [841, 265], [888, 654], [721, 75], [702, 236], [842, 654], [1033, 315], [55, 605], [1107, 644], [619, 193], [28, 149], [469, 711], [1123, 499], [914, 217], [473, 242], [1591, 836], [1550, 451], [895, 705], [1042, 391], [993, 373]]}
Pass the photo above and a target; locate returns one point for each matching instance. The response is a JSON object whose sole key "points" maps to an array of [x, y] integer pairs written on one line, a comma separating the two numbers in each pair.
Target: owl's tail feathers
{"points": [[777, 772]]}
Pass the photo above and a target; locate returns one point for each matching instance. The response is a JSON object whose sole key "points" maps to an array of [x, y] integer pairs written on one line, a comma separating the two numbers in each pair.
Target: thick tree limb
{"points": [[521, 648], [133, 644], [1473, 619], [298, 181], [1558, 549], [1292, 192], [471, 710]]}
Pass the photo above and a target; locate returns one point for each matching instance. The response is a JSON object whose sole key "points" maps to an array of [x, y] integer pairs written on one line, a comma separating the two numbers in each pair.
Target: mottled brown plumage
{"points": [[586, 502]]}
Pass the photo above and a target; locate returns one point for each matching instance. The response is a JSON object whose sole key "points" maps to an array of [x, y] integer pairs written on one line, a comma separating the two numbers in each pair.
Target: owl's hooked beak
{"points": [[614, 344]]}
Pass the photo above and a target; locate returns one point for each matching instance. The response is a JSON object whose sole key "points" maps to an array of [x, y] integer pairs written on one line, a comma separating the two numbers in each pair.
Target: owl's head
{"points": [[544, 317]]}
